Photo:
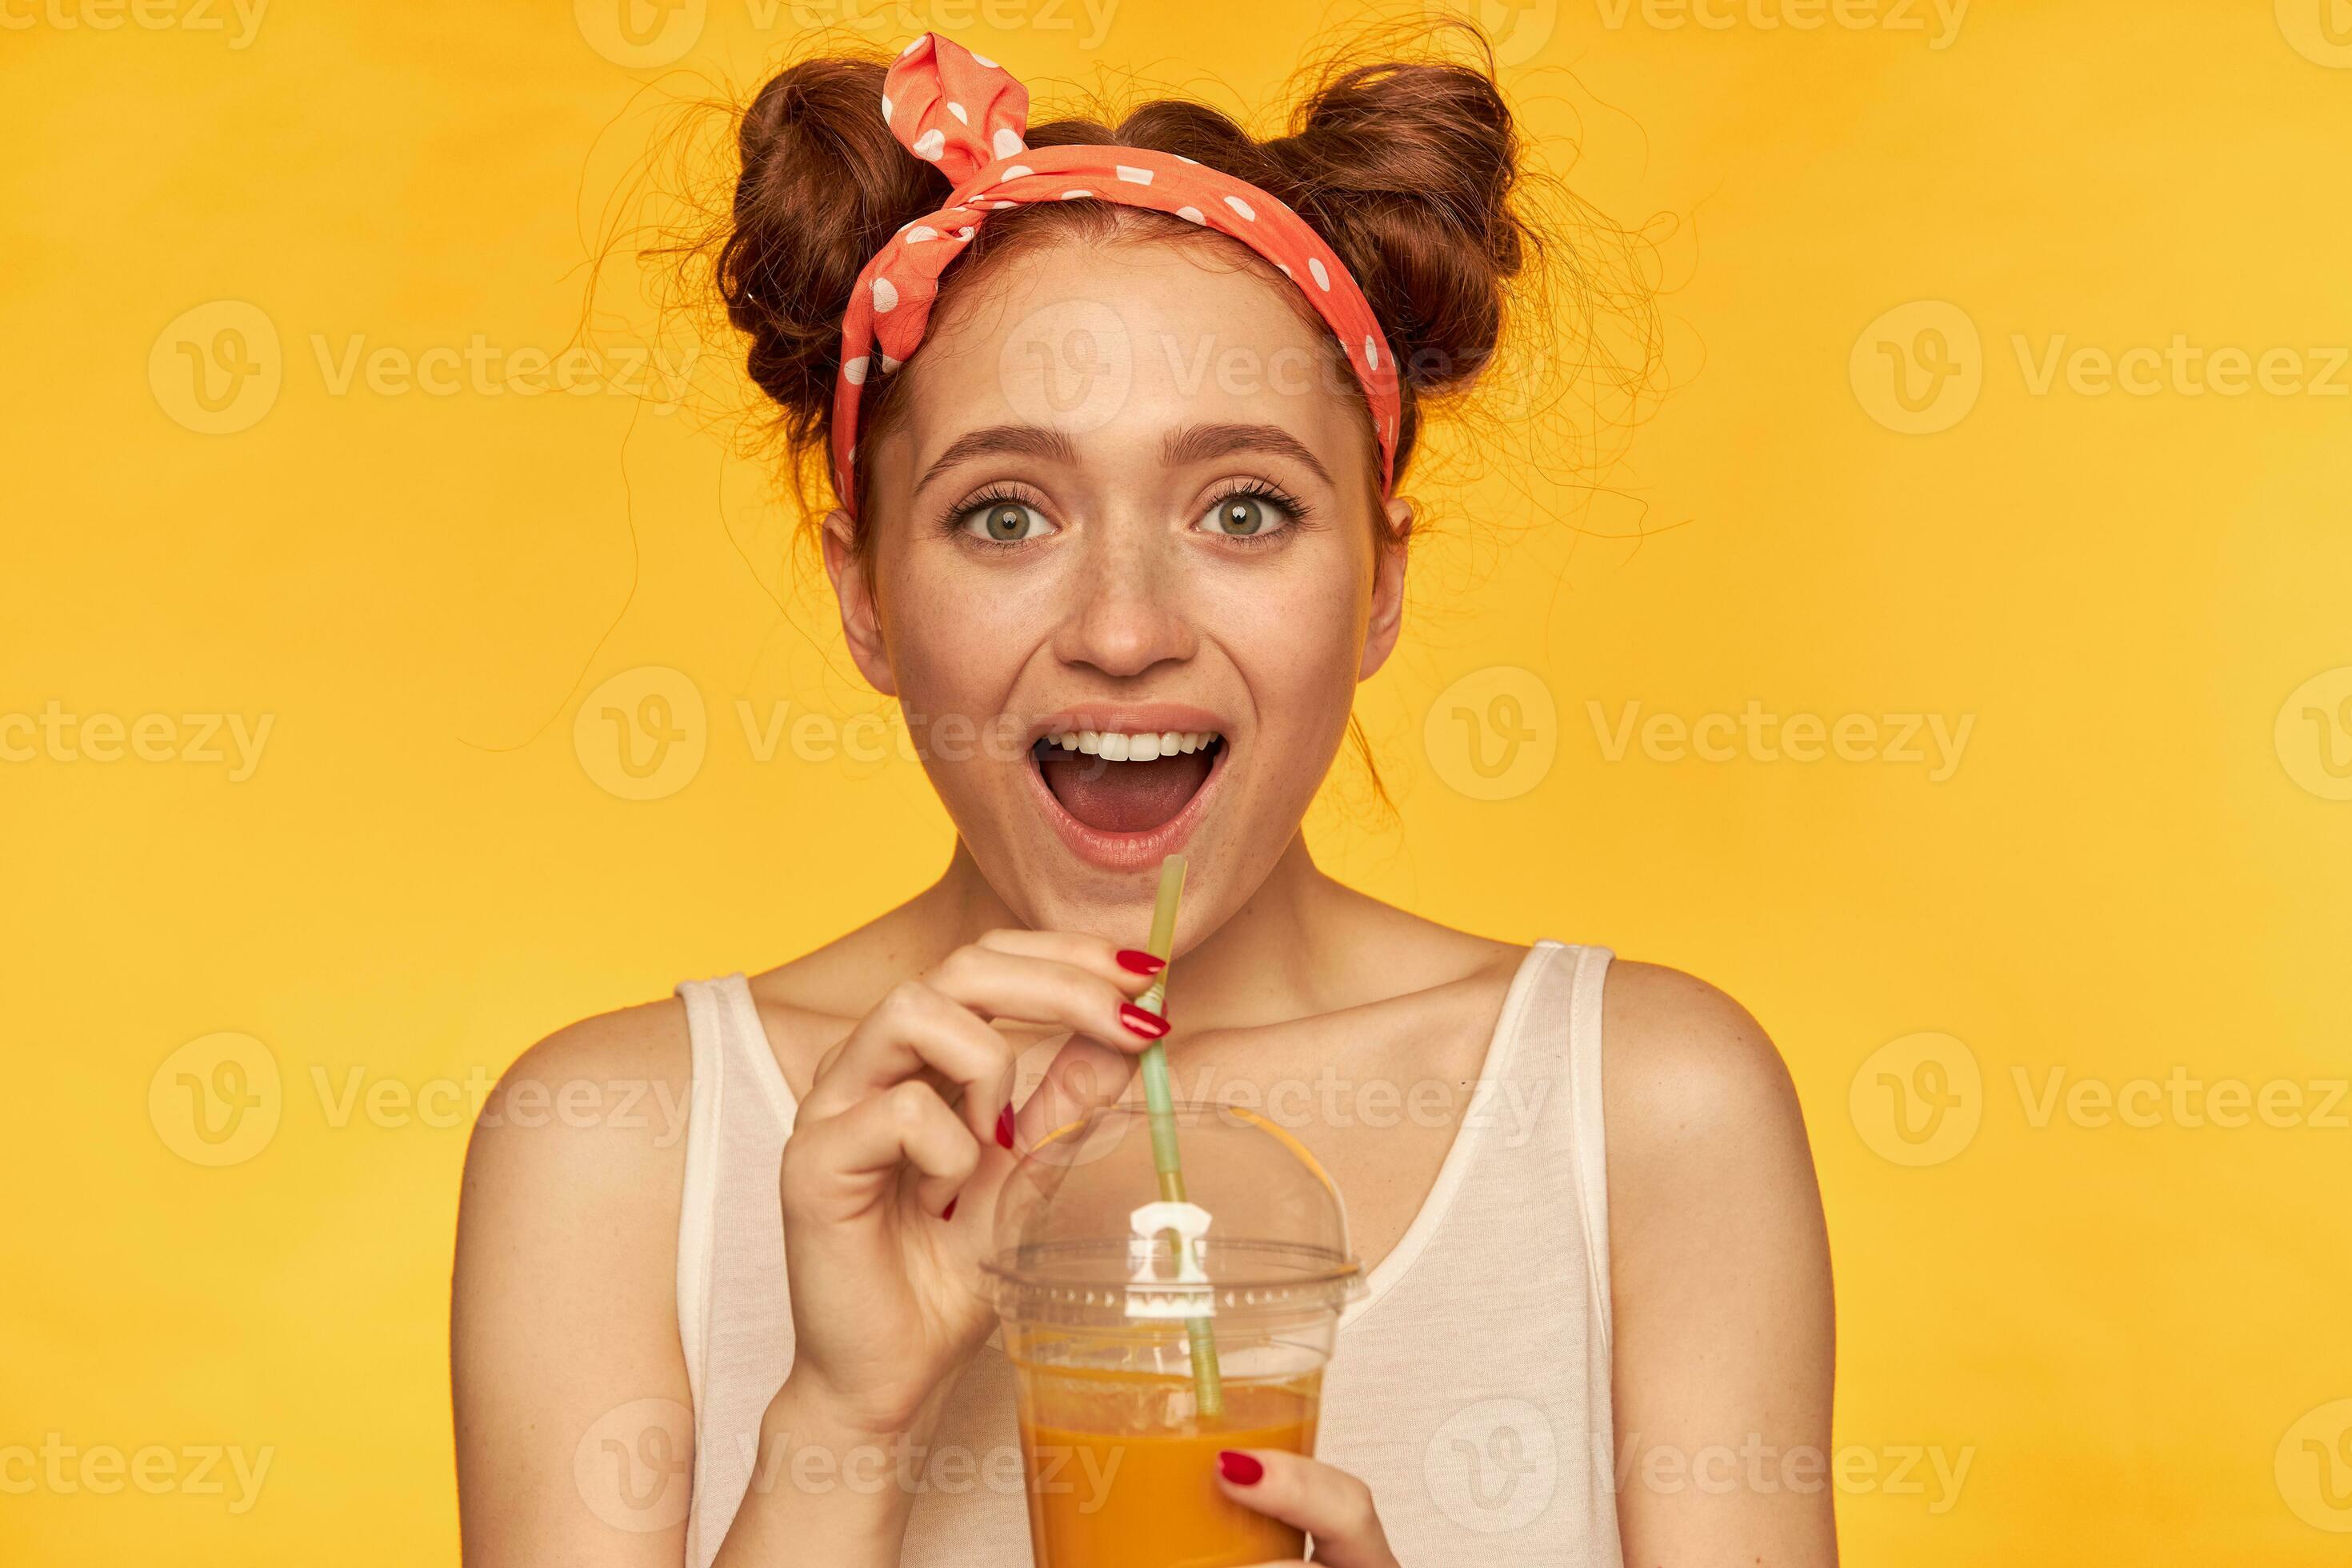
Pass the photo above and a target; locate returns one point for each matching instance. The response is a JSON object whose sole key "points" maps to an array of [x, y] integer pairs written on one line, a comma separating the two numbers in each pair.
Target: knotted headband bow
{"points": [[968, 115]]}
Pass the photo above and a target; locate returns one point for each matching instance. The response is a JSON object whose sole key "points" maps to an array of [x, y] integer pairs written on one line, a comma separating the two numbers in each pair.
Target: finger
{"points": [[1016, 988], [915, 1029], [1130, 968], [1083, 1075], [841, 1163], [1328, 1503]]}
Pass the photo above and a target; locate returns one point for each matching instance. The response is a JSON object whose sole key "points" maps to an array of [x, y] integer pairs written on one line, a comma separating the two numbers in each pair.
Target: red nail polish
{"points": [[1240, 1468], [1136, 963], [1005, 1127], [948, 1213], [1141, 1021]]}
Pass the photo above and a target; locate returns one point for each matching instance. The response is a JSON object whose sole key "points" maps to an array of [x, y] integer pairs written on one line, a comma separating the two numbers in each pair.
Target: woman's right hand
{"points": [[891, 1173]]}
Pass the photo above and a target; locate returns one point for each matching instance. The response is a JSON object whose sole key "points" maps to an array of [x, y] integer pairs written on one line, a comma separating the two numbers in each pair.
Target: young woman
{"points": [[1124, 603]]}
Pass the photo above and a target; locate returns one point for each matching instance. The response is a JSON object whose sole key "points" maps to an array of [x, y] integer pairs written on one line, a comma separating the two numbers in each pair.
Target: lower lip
{"points": [[1129, 851]]}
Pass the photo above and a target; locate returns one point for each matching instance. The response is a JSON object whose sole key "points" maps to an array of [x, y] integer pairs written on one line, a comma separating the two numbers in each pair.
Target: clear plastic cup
{"points": [[1111, 1298]]}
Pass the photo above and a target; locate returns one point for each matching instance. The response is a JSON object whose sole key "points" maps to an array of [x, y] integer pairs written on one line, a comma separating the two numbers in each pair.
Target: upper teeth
{"points": [[1114, 747]]}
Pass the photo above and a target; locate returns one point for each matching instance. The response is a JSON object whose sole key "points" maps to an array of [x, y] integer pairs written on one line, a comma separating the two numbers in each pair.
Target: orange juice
{"points": [[1123, 1470], [1110, 1320]]}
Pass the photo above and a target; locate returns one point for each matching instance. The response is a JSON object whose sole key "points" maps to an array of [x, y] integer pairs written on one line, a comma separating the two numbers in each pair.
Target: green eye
{"points": [[1006, 523], [1244, 516]]}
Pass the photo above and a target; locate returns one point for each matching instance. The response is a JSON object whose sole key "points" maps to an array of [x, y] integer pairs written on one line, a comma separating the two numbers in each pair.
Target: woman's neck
{"points": [[1296, 946]]}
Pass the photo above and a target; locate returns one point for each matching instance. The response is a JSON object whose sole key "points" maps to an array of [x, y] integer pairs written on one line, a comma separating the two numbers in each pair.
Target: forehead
{"points": [[1120, 342]]}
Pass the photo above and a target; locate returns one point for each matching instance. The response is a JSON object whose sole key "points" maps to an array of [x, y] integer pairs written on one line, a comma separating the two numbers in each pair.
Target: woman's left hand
{"points": [[1329, 1504]]}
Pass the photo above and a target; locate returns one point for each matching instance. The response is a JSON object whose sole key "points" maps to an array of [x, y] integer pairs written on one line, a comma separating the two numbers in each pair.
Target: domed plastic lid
{"points": [[1087, 1232]]}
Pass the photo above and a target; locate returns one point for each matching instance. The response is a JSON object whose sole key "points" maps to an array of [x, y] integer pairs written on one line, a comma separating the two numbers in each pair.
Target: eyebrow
{"points": [[1198, 442], [1192, 444], [1002, 440]]}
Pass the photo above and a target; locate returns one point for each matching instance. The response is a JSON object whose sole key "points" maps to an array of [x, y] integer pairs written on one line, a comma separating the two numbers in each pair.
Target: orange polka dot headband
{"points": [[967, 114]]}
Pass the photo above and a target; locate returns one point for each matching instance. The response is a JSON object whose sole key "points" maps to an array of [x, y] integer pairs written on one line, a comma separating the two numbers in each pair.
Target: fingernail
{"points": [[1005, 1127], [1136, 963], [1141, 1021], [948, 1213], [1240, 1468]]}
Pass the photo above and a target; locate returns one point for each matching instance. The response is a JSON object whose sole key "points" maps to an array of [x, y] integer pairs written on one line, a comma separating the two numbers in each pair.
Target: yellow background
{"points": [[2135, 867]]}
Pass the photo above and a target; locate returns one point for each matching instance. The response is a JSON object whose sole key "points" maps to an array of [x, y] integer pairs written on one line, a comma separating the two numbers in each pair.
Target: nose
{"points": [[1124, 614]]}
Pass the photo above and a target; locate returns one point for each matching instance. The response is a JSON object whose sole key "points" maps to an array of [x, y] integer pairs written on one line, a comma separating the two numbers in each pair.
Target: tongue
{"points": [[1124, 797]]}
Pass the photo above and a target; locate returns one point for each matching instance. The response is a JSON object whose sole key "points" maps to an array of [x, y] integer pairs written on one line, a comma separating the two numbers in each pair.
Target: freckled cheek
{"points": [[1298, 646], [956, 652]]}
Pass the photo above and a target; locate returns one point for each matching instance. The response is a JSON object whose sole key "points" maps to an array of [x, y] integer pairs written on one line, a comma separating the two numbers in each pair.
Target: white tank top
{"points": [[1470, 1388]]}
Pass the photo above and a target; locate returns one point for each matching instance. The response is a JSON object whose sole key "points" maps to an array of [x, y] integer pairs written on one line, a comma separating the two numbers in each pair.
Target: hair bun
{"points": [[1409, 171], [823, 185]]}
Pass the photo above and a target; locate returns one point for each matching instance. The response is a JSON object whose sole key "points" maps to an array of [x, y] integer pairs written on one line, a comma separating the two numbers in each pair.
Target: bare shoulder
{"points": [[1711, 1182], [1712, 1196], [1688, 1074], [1718, 1269], [562, 1304], [591, 1117]]}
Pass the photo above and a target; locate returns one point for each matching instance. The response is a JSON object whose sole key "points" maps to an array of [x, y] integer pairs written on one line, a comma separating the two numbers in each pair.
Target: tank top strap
{"points": [[1549, 1083], [1589, 972], [731, 1308]]}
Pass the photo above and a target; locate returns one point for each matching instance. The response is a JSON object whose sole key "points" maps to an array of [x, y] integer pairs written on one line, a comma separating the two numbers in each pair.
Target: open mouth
{"points": [[1114, 781]]}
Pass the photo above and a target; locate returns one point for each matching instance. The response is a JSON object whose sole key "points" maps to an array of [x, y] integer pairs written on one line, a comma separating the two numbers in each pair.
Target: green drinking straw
{"points": [[1159, 1102]]}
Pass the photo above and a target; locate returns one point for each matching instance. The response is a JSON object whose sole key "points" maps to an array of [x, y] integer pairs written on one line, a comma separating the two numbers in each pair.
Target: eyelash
{"points": [[1264, 489], [1297, 510], [994, 495]]}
